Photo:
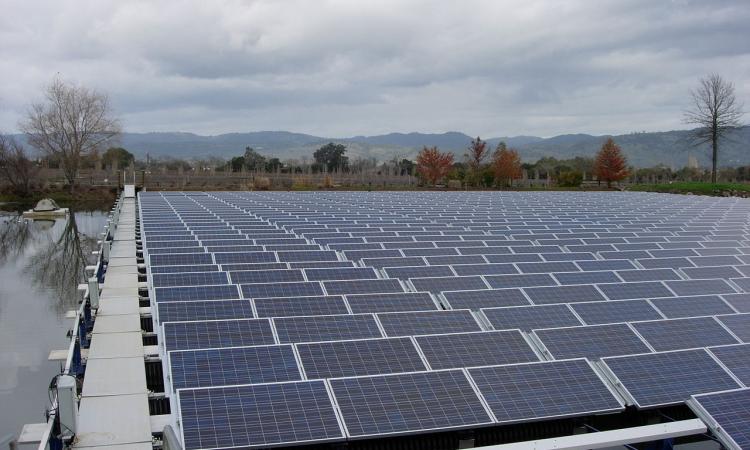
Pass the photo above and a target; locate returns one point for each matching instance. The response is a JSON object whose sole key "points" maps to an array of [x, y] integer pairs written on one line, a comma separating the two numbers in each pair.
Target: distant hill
{"points": [[642, 149]]}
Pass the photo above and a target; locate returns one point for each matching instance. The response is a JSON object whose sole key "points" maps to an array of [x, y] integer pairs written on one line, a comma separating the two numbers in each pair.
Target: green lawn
{"points": [[695, 187]]}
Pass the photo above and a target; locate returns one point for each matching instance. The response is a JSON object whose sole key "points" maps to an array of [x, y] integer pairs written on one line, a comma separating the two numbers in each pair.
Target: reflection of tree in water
{"points": [[15, 235], [59, 264]]}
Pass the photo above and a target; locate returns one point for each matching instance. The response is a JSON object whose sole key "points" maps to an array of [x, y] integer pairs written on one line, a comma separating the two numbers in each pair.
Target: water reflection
{"points": [[41, 265]]}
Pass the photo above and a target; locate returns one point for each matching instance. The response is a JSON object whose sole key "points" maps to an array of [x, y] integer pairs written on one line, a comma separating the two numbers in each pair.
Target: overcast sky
{"points": [[344, 68]]}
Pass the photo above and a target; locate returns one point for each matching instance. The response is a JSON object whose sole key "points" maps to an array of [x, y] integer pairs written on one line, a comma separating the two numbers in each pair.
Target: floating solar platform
{"points": [[294, 319]]}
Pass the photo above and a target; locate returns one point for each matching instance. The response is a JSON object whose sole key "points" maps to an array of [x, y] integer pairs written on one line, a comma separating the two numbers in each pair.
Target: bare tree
{"points": [[15, 166], [716, 112], [71, 123]]}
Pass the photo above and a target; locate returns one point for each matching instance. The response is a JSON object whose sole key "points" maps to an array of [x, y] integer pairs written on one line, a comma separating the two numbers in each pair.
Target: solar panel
{"points": [[699, 305], [326, 328], [192, 293], [523, 280], [727, 415], [440, 284], [394, 302], [665, 263], [253, 266], [294, 289], [739, 324], [736, 358], [217, 333], [591, 342], [362, 287], [204, 310], [740, 302], [231, 366], [379, 263], [648, 275], [605, 276], [335, 359], [384, 405], [514, 258], [563, 294], [707, 272], [404, 273], [182, 259], [484, 298], [178, 269], [611, 264], [527, 318], [272, 414], [614, 311], [643, 289], [319, 305], [668, 378], [267, 276], [483, 348], [547, 267], [307, 255], [700, 287], [348, 273], [674, 334], [543, 390], [427, 322], [249, 257], [484, 269]]}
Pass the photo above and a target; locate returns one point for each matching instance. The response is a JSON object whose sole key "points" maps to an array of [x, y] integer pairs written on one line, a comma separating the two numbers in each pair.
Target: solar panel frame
{"points": [[528, 318], [475, 349], [413, 323], [727, 415], [590, 341], [340, 327]]}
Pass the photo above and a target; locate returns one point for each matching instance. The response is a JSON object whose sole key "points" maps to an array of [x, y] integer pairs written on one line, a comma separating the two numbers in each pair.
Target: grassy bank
{"points": [[697, 188], [82, 199]]}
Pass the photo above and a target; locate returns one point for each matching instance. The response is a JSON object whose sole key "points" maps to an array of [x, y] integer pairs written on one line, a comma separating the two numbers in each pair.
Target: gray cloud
{"points": [[340, 68]]}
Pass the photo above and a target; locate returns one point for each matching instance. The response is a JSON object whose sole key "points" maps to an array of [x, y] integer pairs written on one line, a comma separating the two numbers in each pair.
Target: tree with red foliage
{"points": [[506, 165], [610, 164], [432, 164], [475, 158]]}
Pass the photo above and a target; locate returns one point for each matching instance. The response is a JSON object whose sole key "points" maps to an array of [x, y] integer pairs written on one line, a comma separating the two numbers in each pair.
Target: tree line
{"points": [[74, 127]]}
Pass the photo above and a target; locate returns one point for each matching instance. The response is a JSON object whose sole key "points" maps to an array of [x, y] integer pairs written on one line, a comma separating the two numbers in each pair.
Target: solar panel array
{"points": [[328, 316]]}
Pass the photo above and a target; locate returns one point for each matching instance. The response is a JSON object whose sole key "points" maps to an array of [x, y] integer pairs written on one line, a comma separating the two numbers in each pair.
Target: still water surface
{"points": [[41, 264]]}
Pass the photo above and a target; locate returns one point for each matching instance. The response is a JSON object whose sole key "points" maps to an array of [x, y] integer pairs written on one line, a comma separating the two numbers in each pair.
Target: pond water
{"points": [[41, 264]]}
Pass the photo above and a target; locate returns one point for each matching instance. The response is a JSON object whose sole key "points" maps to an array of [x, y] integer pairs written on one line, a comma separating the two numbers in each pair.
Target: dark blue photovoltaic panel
{"points": [[335, 359], [483, 348], [614, 311], [326, 328], [484, 269], [547, 267], [675, 334], [191, 293], [428, 322], [564, 294], [736, 358], [591, 341], [727, 415], [204, 310], [605, 276], [395, 302], [210, 417], [178, 269], [230, 366], [295, 289], [249, 257], [611, 264], [700, 287], [253, 266], [645, 289], [739, 324], [217, 333], [398, 261], [362, 287], [408, 403], [535, 391], [266, 276], [527, 318], [181, 259], [648, 275], [320, 305], [188, 279], [436, 285], [660, 379], [724, 272], [347, 273], [700, 305], [485, 298], [740, 302], [404, 273], [524, 280]]}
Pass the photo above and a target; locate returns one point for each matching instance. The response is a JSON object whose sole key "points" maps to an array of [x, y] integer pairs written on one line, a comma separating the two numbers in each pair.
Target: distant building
{"points": [[692, 162]]}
